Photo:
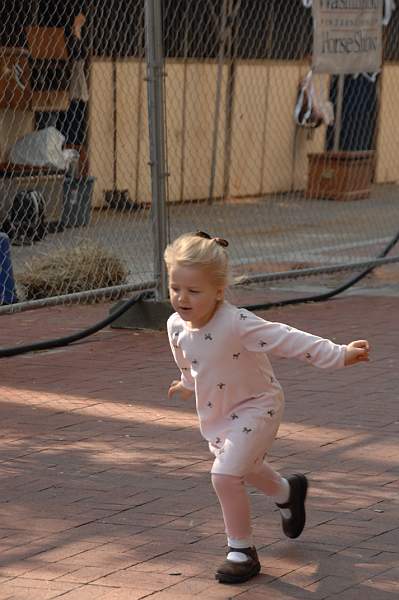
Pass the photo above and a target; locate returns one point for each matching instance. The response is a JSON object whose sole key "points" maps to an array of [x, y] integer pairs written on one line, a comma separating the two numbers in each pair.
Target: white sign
{"points": [[347, 36]]}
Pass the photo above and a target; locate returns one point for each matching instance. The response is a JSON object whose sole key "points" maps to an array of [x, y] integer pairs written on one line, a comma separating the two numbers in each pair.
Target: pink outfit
{"points": [[239, 400]]}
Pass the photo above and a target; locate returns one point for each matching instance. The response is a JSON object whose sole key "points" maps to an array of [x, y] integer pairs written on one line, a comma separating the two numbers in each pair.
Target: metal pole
{"points": [[110, 293], [184, 102], [338, 118], [115, 124], [218, 99], [156, 123], [229, 102]]}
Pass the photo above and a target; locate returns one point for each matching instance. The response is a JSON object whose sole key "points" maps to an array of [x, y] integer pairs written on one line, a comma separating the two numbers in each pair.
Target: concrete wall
{"points": [[190, 112], [387, 159], [101, 129], [268, 153], [132, 143]]}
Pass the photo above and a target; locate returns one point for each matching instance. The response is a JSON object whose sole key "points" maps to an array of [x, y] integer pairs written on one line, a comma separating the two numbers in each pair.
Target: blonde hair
{"points": [[192, 250]]}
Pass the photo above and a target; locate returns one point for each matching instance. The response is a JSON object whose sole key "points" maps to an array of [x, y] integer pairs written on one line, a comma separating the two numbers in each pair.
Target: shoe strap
{"points": [[285, 505], [247, 551]]}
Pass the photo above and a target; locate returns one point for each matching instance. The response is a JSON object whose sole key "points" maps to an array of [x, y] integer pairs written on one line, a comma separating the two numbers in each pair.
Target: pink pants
{"points": [[234, 500]]}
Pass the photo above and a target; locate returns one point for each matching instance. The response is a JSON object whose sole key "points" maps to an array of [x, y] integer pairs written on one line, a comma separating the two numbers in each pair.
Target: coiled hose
{"points": [[64, 341]]}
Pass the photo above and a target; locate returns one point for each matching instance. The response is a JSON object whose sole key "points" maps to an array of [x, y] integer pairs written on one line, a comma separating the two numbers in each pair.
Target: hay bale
{"points": [[85, 267]]}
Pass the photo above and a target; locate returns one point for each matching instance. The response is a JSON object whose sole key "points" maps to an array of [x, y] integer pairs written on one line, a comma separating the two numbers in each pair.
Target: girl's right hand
{"points": [[176, 387]]}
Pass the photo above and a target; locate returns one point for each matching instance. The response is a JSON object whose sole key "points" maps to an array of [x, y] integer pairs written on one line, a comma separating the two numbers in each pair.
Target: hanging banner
{"points": [[347, 36]]}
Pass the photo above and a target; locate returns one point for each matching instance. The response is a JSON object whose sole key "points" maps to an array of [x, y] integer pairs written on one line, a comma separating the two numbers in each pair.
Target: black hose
{"points": [[64, 341], [331, 293]]}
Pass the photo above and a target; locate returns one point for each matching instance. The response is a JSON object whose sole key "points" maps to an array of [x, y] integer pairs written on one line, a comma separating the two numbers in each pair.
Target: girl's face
{"points": [[193, 295]]}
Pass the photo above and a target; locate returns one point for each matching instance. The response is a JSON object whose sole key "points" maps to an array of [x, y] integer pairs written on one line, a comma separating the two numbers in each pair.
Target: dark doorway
{"points": [[359, 113]]}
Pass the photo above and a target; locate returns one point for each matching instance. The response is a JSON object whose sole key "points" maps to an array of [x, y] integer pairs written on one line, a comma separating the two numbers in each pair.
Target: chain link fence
{"points": [[74, 179], [295, 197], [295, 190]]}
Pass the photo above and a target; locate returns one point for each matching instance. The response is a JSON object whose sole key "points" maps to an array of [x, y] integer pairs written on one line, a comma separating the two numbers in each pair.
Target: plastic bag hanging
{"points": [[389, 7], [310, 111]]}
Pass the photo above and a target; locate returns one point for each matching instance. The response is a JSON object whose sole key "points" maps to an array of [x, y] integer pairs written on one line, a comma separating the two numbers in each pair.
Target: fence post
{"points": [[218, 99], [156, 123]]}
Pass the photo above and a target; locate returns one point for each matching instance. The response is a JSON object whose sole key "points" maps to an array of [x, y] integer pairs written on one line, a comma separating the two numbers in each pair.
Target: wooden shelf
{"points": [[50, 101], [46, 43], [15, 90]]}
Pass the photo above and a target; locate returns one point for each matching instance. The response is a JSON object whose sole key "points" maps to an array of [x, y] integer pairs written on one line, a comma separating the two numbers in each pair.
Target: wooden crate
{"points": [[340, 175]]}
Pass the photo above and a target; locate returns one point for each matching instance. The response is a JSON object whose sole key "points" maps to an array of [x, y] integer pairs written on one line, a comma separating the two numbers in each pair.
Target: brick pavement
{"points": [[105, 491]]}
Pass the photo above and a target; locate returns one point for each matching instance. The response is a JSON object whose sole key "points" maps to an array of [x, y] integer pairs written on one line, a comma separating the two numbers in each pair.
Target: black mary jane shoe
{"points": [[238, 572], [293, 526]]}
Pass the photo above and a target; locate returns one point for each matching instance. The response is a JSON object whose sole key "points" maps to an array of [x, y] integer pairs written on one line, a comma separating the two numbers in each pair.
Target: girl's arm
{"points": [[258, 335], [186, 379]]}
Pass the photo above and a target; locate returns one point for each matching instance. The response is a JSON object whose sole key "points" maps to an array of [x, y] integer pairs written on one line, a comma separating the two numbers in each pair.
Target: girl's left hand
{"points": [[357, 351]]}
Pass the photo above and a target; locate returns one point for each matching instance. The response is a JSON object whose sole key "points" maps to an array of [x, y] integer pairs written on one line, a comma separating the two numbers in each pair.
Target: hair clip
{"points": [[204, 235], [222, 242]]}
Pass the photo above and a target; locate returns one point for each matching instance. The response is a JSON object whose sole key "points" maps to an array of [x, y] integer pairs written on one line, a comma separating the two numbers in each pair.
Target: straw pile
{"points": [[85, 267]]}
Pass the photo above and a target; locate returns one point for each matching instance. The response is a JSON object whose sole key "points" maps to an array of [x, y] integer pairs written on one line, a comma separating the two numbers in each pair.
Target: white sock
{"points": [[237, 544], [283, 497]]}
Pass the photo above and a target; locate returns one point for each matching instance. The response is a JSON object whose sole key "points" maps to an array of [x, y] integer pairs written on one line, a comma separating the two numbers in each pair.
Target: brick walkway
{"points": [[105, 491]]}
